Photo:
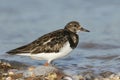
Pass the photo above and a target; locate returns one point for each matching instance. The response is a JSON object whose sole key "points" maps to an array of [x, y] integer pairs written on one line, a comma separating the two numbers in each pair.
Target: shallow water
{"points": [[23, 21]]}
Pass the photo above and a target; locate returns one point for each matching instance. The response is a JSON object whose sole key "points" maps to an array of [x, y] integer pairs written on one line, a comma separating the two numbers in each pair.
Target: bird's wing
{"points": [[50, 42]]}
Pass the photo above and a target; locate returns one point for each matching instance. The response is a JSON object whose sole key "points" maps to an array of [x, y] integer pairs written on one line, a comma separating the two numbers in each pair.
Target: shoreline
{"points": [[10, 71]]}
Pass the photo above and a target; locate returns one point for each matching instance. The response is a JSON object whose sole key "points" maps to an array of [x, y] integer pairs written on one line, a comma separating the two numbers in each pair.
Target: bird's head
{"points": [[75, 27]]}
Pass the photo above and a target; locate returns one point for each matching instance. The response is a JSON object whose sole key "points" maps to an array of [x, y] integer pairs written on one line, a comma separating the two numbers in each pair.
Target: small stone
{"points": [[96, 79], [31, 68], [4, 63], [89, 77], [51, 76], [106, 74], [8, 78], [8, 65], [5, 74], [28, 74], [67, 78], [80, 77], [11, 73], [105, 79], [44, 70]]}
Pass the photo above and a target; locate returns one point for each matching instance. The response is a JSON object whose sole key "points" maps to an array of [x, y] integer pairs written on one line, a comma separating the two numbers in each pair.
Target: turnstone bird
{"points": [[53, 45]]}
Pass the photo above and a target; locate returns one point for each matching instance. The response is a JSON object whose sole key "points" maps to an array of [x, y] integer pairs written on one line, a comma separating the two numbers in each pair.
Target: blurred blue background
{"points": [[22, 21]]}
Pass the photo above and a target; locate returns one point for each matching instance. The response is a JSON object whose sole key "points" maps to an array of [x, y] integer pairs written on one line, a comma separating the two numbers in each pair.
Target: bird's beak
{"points": [[83, 29]]}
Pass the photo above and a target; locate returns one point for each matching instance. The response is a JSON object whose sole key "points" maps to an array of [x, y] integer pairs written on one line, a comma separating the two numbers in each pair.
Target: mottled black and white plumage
{"points": [[52, 45]]}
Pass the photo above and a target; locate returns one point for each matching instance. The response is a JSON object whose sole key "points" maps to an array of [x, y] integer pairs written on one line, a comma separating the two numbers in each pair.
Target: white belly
{"points": [[51, 56]]}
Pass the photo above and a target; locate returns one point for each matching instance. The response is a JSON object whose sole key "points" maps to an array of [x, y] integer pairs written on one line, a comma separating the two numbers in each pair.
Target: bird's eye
{"points": [[75, 25]]}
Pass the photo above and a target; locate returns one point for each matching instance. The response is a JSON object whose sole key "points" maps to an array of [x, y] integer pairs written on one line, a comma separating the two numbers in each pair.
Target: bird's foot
{"points": [[48, 64]]}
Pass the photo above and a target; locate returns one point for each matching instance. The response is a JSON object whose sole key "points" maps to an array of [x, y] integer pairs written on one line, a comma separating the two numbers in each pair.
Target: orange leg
{"points": [[46, 64]]}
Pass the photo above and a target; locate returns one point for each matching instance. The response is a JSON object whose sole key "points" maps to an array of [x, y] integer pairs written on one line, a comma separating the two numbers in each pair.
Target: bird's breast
{"points": [[73, 40]]}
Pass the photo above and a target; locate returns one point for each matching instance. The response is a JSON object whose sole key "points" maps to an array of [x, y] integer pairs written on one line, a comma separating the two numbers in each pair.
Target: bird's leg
{"points": [[46, 64], [52, 63]]}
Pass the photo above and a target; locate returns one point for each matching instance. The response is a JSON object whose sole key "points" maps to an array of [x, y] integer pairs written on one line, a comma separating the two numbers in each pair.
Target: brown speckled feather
{"points": [[54, 45], [51, 42]]}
